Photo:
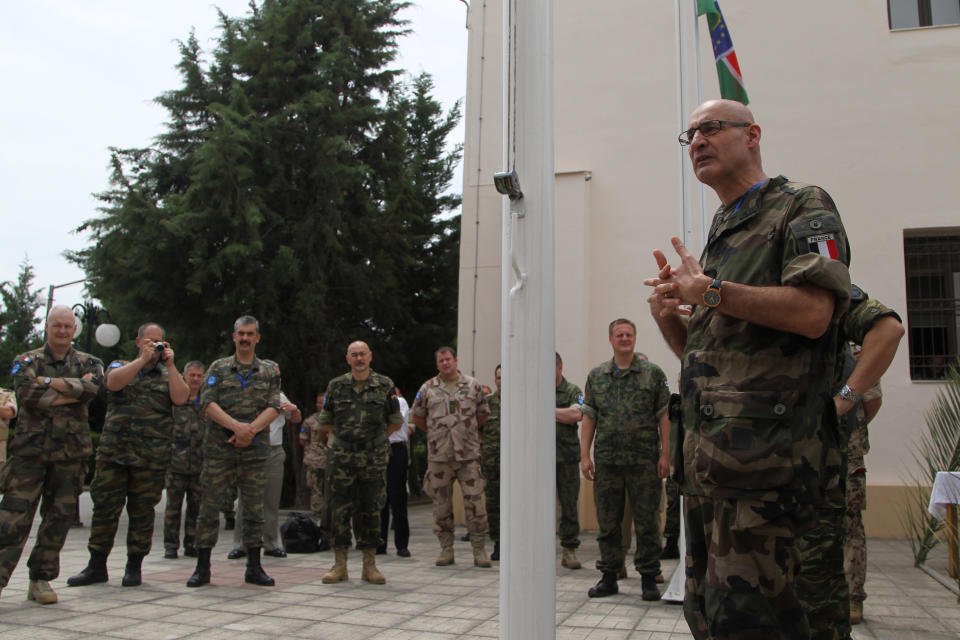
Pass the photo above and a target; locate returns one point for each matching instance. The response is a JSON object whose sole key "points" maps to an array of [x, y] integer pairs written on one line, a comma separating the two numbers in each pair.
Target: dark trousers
{"points": [[396, 497]]}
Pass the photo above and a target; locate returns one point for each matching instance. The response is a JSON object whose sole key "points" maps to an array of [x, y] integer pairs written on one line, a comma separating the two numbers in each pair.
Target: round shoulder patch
{"points": [[15, 368], [211, 380], [856, 293], [116, 364]]}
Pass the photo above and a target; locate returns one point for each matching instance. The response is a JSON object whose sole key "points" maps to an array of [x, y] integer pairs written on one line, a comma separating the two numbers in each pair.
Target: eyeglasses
{"points": [[707, 129]]}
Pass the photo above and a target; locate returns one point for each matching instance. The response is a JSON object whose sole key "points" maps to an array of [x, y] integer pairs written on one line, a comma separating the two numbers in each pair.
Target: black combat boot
{"points": [[649, 586], [201, 575], [255, 573], [96, 571], [496, 551], [671, 550], [131, 575], [606, 587]]}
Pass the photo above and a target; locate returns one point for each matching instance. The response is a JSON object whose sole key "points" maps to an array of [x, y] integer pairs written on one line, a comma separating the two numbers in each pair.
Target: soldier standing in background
{"points": [[8, 411], [569, 412], [490, 463], [625, 406], [313, 439], [183, 475], [397, 486], [133, 454], [241, 396], [54, 386], [452, 408], [361, 410]]}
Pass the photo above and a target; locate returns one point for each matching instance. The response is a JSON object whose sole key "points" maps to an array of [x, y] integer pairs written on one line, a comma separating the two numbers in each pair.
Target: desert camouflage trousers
{"points": [[315, 482], [225, 470], [358, 491], [855, 549], [180, 486], [741, 565], [27, 482], [438, 484], [115, 486]]}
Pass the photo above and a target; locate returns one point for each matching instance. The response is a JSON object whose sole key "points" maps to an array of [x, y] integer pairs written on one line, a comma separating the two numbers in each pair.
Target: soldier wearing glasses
{"points": [[758, 335]]}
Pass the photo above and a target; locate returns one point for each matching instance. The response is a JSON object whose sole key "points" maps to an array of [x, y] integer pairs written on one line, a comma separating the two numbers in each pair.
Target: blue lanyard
{"points": [[244, 381], [744, 196]]}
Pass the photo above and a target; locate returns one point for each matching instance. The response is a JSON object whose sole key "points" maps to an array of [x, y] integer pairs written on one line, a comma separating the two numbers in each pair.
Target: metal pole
{"points": [[528, 462]]}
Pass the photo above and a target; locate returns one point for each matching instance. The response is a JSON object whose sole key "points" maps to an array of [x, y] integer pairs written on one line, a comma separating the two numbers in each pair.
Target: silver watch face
{"points": [[711, 297]]}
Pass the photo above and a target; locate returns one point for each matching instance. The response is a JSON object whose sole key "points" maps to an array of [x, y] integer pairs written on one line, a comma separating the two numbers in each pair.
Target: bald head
{"points": [[727, 157], [359, 357], [62, 313], [60, 327], [725, 110]]}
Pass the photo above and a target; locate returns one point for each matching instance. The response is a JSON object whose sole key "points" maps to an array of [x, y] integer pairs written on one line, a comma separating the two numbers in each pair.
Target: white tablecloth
{"points": [[946, 490]]}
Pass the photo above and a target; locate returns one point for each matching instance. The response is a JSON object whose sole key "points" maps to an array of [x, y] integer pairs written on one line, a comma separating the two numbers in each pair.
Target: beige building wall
{"points": [[867, 113]]}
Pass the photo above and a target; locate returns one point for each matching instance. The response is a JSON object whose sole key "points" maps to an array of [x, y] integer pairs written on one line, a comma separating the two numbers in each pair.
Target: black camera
{"points": [[160, 348]]}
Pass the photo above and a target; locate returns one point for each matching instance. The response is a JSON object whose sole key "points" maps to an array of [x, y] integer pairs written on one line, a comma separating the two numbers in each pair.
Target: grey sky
{"points": [[80, 77]]}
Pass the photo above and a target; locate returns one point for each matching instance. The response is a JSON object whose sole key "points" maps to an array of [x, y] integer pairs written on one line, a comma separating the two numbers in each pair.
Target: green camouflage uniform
{"points": [[627, 405], [132, 459], [315, 463], [568, 466], [490, 462], [453, 453], [760, 442], [47, 458], [671, 525], [183, 475], [823, 586], [357, 460], [243, 391]]}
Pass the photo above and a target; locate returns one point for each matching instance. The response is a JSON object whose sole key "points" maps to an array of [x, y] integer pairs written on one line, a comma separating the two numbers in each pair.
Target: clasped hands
{"points": [[243, 434], [676, 286]]}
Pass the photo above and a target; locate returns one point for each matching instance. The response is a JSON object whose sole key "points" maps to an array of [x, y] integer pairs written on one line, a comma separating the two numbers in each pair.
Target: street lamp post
{"points": [[107, 333]]}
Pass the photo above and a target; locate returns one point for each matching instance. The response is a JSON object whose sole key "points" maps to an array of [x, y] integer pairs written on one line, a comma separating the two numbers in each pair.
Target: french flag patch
{"points": [[824, 244]]}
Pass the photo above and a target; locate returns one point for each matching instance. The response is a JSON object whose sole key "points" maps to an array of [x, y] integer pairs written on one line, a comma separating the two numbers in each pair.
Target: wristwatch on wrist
{"points": [[47, 380], [712, 297], [846, 393]]}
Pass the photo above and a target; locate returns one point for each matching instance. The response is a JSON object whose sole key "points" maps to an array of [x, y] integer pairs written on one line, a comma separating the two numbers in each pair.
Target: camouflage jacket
{"points": [[627, 405], [48, 432], [758, 417], [452, 427], [359, 413], [315, 447], [568, 435], [7, 399], [243, 391], [139, 425], [189, 428], [490, 445]]}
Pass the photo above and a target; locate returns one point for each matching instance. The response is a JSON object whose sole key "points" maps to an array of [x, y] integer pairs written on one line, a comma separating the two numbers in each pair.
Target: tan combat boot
{"points": [[370, 572], [338, 572], [856, 611], [446, 557], [41, 593], [480, 558], [569, 559]]}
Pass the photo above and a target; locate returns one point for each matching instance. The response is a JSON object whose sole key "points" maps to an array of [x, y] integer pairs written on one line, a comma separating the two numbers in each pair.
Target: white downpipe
{"points": [[528, 462]]}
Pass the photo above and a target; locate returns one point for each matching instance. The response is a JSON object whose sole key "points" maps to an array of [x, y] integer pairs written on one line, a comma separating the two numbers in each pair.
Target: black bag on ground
{"points": [[300, 534]]}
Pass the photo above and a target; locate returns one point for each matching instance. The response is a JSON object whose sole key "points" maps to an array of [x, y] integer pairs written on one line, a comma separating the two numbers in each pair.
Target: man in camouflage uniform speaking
{"points": [[241, 396], [451, 408], [758, 350], [625, 405], [361, 410], [54, 386], [133, 454], [183, 476]]}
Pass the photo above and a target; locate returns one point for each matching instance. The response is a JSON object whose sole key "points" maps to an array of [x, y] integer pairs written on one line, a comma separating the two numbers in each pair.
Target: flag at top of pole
{"points": [[728, 69]]}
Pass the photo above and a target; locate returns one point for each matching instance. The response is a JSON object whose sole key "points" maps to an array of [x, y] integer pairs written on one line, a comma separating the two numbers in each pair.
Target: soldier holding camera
{"points": [[133, 454]]}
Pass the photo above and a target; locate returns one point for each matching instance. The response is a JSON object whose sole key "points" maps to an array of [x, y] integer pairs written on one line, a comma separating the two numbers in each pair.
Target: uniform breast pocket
{"points": [[745, 439]]}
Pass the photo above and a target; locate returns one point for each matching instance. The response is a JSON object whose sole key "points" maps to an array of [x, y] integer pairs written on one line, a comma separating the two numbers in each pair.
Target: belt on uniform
{"points": [[402, 443]]}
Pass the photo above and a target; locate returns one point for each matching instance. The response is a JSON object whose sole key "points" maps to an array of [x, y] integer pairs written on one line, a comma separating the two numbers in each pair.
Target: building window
{"points": [[933, 299], [910, 14]]}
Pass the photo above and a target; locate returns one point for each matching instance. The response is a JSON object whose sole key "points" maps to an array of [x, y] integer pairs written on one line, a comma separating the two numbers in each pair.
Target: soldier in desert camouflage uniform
{"points": [[760, 441], [569, 412], [183, 475], [54, 386], [625, 406], [241, 397], [313, 439], [490, 464], [830, 602], [361, 410], [133, 454], [8, 411], [452, 408]]}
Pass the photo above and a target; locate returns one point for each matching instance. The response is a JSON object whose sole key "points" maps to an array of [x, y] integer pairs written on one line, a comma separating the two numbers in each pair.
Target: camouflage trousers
{"points": [[438, 484], [490, 465], [180, 486], [115, 485], [358, 490], [671, 524], [741, 565], [315, 483], [224, 471], [855, 549], [568, 492], [640, 484], [27, 482], [822, 583]]}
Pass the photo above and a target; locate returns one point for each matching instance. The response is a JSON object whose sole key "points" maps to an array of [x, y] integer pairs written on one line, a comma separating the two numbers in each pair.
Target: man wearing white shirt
{"points": [[272, 545], [397, 486]]}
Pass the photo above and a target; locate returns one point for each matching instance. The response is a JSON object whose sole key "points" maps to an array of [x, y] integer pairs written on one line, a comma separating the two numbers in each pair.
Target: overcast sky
{"points": [[80, 77]]}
